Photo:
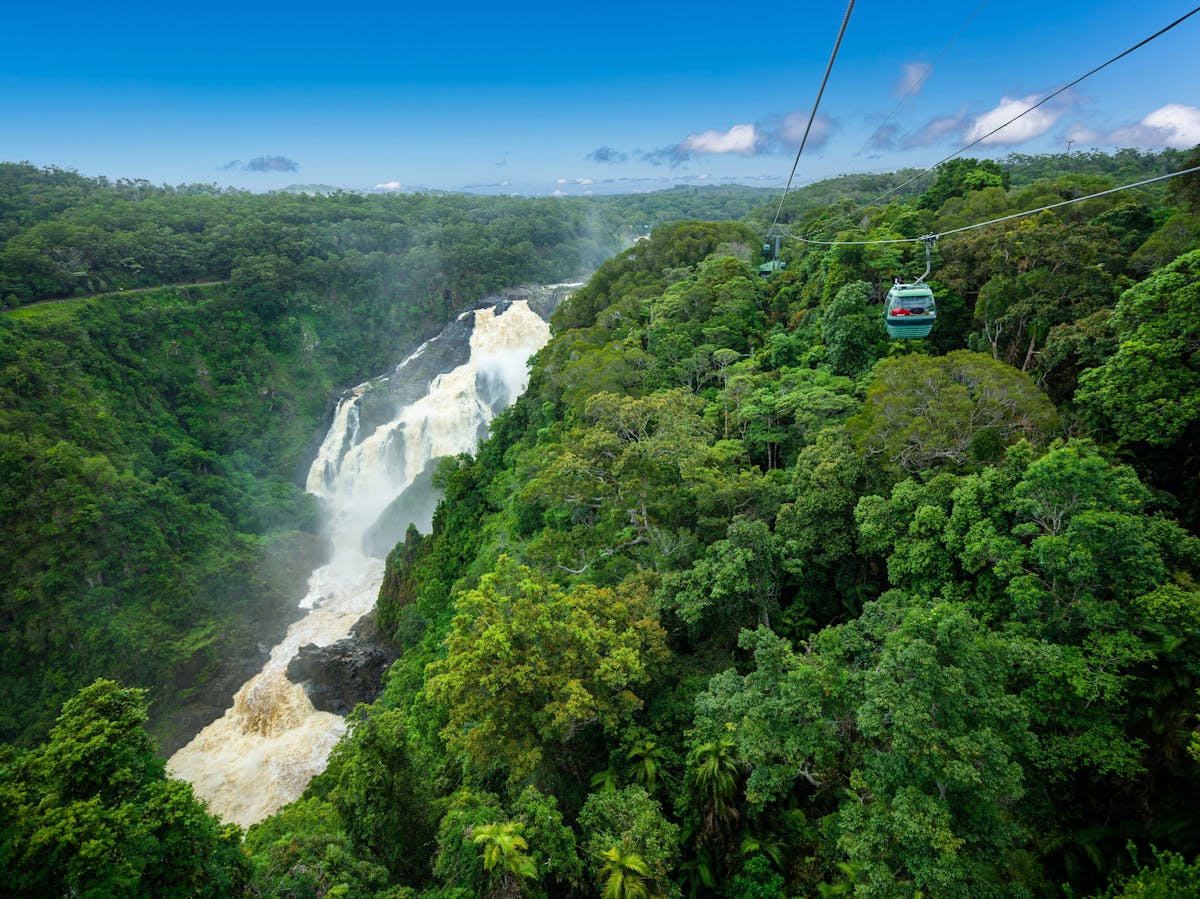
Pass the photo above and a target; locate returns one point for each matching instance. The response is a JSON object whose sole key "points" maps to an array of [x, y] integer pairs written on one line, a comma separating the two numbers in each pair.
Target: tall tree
{"points": [[505, 858], [714, 775], [626, 876], [378, 794], [529, 663], [958, 409], [1149, 391], [92, 813], [625, 825], [958, 176]]}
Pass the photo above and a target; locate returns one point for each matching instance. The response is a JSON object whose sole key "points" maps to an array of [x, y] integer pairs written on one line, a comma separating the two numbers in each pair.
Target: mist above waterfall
{"points": [[375, 459]]}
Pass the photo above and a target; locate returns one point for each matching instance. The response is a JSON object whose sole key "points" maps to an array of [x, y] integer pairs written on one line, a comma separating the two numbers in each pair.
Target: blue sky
{"points": [[575, 98]]}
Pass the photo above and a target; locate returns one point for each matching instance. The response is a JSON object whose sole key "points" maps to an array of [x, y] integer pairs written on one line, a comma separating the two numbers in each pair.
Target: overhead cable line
{"points": [[812, 117], [913, 88], [1019, 115], [1003, 218]]}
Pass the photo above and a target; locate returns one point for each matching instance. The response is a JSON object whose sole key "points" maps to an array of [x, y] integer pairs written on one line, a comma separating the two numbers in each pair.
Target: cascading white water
{"points": [[271, 742]]}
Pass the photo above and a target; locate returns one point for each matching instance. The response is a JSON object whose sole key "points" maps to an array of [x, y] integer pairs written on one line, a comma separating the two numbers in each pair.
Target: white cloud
{"points": [[389, 185], [741, 139], [1081, 134], [1181, 122], [791, 130], [934, 130], [775, 135], [884, 137], [1033, 124], [1173, 125], [912, 74], [560, 180], [557, 193], [607, 154]]}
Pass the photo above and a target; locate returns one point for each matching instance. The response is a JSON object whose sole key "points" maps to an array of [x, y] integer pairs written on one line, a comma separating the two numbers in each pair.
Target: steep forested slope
{"points": [[743, 599], [65, 235], [152, 444]]}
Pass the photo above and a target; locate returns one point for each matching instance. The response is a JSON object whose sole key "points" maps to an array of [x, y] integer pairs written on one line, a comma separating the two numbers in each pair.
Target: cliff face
{"points": [[372, 476]]}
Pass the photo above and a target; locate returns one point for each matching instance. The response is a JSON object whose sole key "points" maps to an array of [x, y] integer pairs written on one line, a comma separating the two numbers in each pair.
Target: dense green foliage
{"points": [[926, 637], [741, 599], [92, 813], [151, 441], [65, 235]]}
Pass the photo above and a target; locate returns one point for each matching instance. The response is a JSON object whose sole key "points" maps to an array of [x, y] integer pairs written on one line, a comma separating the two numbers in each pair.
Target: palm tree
{"points": [[505, 857], [697, 874], [626, 876], [714, 777], [646, 759], [768, 845], [604, 781]]}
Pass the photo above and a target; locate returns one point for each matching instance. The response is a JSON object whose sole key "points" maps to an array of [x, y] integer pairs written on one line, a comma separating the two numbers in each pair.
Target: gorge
{"points": [[739, 598], [373, 474]]}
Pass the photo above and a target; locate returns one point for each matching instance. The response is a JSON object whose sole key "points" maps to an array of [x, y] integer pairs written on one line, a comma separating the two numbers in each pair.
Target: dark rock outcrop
{"points": [[350, 671]]}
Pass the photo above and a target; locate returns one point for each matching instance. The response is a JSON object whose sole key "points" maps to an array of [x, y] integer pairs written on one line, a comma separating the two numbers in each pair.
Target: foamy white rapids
{"points": [[263, 752]]}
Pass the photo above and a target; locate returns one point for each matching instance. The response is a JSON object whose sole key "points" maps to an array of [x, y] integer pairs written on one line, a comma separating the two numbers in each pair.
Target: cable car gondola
{"points": [[774, 263], [910, 309]]}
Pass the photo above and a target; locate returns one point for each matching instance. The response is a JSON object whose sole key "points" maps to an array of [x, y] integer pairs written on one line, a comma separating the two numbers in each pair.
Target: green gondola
{"points": [[910, 309], [773, 263]]}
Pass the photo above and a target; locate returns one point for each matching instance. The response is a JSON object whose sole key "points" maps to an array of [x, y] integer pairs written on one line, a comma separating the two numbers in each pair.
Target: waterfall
{"points": [[262, 753]]}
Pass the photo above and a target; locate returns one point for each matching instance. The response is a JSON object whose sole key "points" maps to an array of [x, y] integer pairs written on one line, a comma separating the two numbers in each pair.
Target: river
{"points": [[372, 475]]}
